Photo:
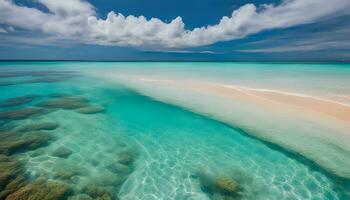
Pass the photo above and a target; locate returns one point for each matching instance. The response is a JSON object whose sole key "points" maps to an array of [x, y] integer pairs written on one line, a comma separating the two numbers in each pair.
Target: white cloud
{"points": [[336, 38], [77, 20], [68, 8], [2, 30]]}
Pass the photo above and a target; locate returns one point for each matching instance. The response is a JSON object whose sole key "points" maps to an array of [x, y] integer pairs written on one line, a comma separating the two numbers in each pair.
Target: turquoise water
{"points": [[140, 148]]}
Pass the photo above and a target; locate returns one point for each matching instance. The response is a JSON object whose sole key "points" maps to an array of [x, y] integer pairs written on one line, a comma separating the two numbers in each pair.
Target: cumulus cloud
{"points": [[77, 20]]}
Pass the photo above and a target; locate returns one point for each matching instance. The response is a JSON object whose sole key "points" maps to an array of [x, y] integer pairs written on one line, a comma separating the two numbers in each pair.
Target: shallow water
{"points": [[162, 151]]}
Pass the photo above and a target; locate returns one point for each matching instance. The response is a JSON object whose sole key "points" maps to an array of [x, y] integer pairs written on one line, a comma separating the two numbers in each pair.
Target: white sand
{"points": [[315, 127]]}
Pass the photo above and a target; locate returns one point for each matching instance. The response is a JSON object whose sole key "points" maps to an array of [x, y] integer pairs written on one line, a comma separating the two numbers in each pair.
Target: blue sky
{"points": [[237, 30]]}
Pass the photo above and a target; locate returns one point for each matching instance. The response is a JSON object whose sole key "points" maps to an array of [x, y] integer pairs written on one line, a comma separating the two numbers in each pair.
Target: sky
{"points": [[181, 30]]}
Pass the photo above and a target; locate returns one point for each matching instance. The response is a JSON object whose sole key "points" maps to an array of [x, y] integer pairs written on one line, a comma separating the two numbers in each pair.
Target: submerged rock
{"points": [[91, 110], [18, 100], [62, 152], [42, 190], [97, 192], [20, 113], [47, 126], [13, 185], [9, 169], [11, 175], [65, 174], [126, 158], [13, 143], [67, 170], [81, 197], [226, 185], [219, 186], [66, 102], [109, 179], [119, 168], [38, 152]]}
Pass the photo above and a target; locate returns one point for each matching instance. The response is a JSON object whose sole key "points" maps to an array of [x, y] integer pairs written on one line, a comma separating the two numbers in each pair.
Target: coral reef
{"points": [[31, 170], [11, 177], [67, 170], [66, 173], [97, 192], [12, 142], [40, 189]]}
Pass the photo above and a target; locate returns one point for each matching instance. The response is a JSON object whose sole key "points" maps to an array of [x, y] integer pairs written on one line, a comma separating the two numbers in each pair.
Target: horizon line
{"points": [[141, 60]]}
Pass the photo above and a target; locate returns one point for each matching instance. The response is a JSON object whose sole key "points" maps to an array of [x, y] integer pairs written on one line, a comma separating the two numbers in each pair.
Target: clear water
{"points": [[171, 146], [325, 140]]}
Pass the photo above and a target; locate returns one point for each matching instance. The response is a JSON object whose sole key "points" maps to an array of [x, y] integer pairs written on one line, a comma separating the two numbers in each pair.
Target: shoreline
{"points": [[268, 97], [305, 125]]}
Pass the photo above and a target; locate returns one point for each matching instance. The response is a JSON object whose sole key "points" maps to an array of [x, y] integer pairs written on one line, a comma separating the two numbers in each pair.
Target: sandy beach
{"points": [[314, 127], [273, 99]]}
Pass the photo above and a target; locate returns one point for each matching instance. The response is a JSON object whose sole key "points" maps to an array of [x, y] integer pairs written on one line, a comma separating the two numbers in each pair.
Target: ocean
{"points": [[162, 130]]}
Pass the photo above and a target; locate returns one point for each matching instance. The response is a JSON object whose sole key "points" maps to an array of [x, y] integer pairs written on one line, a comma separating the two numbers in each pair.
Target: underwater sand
{"points": [[107, 139], [308, 118]]}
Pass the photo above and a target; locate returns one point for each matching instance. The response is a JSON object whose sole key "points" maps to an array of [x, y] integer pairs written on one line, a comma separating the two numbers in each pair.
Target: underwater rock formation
{"points": [[66, 173], [226, 185], [62, 152], [220, 186], [81, 197], [67, 170], [13, 185], [36, 77], [41, 189], [18, 100], [11, 175], [97, 192], [20, 113], [126, 158], [12, 142], [36, 153], [47, 126], [119, 168], [66, 102], [91, 110]]}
